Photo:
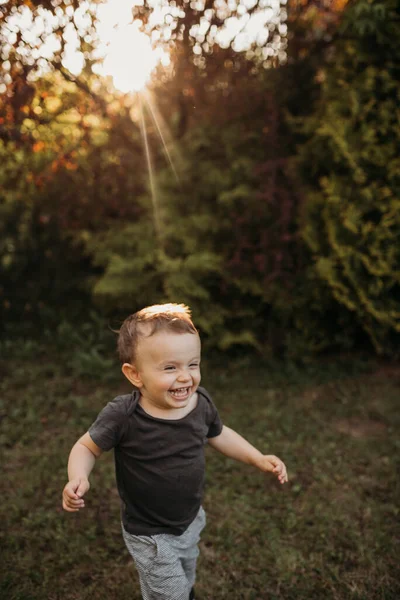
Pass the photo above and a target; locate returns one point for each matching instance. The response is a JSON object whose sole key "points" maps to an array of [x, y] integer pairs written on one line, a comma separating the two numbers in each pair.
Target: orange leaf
{"points": [[38, 146]]}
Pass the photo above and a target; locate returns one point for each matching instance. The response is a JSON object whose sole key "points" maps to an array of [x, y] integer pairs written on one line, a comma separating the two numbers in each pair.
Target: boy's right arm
{"points": [[80, 464]]}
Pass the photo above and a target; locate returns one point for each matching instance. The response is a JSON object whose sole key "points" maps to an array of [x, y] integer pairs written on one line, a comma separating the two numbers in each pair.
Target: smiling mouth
{"points": [[180, 393]]}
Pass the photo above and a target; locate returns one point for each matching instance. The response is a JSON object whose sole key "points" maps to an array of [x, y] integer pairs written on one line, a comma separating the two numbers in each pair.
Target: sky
{"points": [[129, 54]]}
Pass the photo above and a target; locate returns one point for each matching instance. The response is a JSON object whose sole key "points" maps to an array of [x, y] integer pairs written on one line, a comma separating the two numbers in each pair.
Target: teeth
{"points": [[179, 391]]}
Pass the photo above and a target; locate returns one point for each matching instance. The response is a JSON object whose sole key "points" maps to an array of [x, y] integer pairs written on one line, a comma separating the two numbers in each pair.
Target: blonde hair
{"points": [[173, 317]]}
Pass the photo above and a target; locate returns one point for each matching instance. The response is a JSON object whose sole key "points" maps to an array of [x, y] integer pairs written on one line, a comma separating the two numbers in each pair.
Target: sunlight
{"points": [[160, 125], [129, 57]]}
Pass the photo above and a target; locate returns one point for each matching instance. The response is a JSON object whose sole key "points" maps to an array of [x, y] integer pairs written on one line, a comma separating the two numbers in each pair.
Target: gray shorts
{"points": [[167, 563]]}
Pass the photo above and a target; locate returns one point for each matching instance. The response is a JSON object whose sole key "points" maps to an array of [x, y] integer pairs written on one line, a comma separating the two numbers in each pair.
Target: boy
{"points": [[158, 434]]}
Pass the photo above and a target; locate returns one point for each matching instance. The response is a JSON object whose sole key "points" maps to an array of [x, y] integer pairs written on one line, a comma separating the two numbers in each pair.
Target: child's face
{"points": [[168, 368]]}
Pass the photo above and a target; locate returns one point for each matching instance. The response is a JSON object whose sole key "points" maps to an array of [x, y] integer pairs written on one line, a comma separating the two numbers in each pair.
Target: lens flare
{"points": [[130, 58]]}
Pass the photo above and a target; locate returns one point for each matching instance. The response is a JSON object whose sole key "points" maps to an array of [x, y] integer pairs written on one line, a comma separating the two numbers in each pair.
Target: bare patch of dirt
{"points": [[360, 428]]}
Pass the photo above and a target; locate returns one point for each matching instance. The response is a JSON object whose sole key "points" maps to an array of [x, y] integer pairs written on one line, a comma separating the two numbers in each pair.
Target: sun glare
{"points": [[128, 54], [130, 58]]}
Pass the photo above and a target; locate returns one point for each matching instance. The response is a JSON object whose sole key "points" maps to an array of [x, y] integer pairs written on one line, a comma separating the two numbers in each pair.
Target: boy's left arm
{"points": [[235, 446]]}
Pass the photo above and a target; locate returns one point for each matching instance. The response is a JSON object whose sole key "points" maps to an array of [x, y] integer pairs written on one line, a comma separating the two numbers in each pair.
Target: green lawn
{"points": [[332, 532]]}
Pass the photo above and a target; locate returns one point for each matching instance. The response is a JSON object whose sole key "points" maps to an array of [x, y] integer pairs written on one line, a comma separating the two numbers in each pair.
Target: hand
{"points": [[73, 494], [274, 465]]}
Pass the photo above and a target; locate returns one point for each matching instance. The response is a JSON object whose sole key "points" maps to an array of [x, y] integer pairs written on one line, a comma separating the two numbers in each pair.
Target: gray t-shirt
{"points": [[159, 463]]}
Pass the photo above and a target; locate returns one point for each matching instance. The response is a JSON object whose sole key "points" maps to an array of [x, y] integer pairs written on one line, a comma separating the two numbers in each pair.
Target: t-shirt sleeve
{"points": [[213, 419], [108, 428]]}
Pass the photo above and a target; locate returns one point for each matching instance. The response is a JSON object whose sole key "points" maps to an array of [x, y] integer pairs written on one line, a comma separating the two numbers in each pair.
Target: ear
{"points": [[132, 374]]}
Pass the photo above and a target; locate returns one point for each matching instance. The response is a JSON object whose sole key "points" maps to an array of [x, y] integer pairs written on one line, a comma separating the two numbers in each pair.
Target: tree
{"points": [[352, 219], [79, 172], [225, 248]]}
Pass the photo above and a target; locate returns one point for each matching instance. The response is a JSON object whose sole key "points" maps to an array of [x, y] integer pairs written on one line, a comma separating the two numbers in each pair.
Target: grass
{"points": [[331, 533]]}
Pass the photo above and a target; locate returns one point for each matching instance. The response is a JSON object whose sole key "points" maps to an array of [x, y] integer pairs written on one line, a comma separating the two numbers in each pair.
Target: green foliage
{"points": [[70, 176], [351, 221], [85, 348], [229, 233], [213, 238], [39, 263]]}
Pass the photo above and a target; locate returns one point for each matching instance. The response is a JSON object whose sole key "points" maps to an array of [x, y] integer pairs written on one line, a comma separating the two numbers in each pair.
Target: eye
{"points": [[169, 368], [194, 365]]}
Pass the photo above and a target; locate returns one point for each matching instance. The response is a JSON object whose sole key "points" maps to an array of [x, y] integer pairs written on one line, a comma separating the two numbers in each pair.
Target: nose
{"points": [[184, 375]]}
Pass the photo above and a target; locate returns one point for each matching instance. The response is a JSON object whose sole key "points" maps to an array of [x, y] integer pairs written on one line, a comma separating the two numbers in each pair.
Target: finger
{"points": [[68, 508], [71, 496], [281, 468], [282, 476], [70, 492], [73, 506], [76, 503], [73, 502]]}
